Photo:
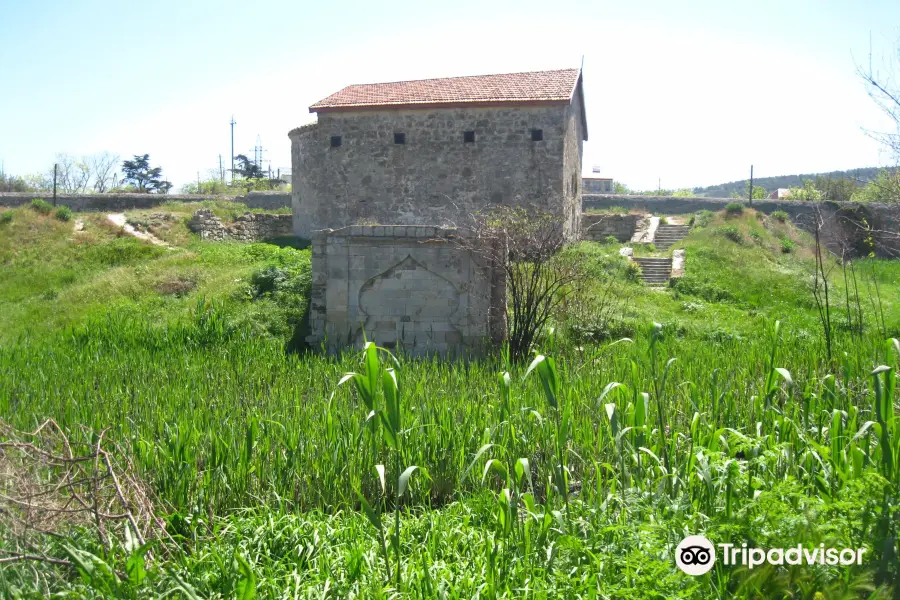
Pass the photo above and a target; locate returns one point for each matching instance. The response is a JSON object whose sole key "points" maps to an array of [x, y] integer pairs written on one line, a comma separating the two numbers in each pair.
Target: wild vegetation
{"points": [[645, 415]]}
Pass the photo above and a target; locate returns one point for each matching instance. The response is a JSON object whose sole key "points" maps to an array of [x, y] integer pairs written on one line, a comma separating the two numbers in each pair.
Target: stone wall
{"points": [[841, 220], [103, 202], [250, 227], [435, 177], [573, 150], [120, 202], [598, 227], [266, 200], [411, 287]]}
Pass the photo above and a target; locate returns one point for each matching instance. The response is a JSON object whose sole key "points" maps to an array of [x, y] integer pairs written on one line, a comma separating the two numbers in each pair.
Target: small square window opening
{"points": [[335, 141], [469, 137], [537, 135], [399, 138]]}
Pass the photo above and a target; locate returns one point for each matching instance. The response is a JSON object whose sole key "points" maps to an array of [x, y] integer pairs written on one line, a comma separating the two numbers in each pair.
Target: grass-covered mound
{"points": [[56, 277]]}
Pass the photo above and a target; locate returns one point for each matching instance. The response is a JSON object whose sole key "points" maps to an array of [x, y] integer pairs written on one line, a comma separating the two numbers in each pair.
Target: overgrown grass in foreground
{"points": [[633, 451]]}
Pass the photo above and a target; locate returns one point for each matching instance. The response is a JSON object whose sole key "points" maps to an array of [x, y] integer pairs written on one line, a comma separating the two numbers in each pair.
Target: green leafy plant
{"points": [[41, 206], [780, 216], [734, 208], [63, 213], [6, 217], [386, 419], [701, 218], [787, 245], [731, 233]]}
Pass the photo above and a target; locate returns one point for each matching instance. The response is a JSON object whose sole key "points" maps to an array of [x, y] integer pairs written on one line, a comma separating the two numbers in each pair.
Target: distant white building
{"points": [[780, 194]]}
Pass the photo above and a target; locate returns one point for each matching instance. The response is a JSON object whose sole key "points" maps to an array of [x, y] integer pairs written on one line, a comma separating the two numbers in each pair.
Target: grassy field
{"points": [[718, 415]]}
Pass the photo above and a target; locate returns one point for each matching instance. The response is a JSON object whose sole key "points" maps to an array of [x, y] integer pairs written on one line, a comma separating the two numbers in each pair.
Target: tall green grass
{"points": [[579, 454]]}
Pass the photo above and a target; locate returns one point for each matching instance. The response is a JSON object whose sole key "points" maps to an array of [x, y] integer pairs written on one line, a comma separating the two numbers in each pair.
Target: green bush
{"points": [[780, 216], [63, 213], [632, 271], [663, 221], [6, 216], [41, 206], [734, 208], [610, 239], [701, 218], [732, 233], [787, 245]]}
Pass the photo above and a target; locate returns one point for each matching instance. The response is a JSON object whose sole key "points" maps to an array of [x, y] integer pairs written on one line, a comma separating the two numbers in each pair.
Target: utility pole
{"points": [[232, 147], [658, 186], [55, 166], [751, 186], [221, 170]]}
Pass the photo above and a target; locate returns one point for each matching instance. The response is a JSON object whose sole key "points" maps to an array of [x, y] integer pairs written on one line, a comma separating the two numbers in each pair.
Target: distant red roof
{"points": [[538, 87]]}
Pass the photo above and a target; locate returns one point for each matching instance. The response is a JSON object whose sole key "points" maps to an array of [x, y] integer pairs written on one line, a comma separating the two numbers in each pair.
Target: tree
{"points": [[836, 190], [103, 170], [620, 188], [807, 193], [14, 183], [884, 89], [525, 245], [247, 169], [885, 188], [146, 179]]}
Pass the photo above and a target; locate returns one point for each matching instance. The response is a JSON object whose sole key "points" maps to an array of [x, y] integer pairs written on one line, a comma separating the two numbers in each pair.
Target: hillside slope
{"points": [[742, 272], [56, 277], [725, 190]]}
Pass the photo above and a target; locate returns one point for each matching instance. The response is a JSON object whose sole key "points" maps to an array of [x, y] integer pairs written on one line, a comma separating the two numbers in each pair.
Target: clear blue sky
{"points": [[691, 92]]}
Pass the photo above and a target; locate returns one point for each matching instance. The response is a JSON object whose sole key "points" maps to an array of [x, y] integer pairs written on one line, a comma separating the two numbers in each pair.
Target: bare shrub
{"points": [[49, 483], [525, 245]]}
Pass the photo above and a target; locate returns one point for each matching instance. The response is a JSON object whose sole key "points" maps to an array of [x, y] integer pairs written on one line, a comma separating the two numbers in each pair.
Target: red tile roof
{"points": [[539, 87]]}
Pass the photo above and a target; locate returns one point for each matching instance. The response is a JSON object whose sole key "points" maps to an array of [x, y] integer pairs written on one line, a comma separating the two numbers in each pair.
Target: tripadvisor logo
{"points": [[696, 555]]}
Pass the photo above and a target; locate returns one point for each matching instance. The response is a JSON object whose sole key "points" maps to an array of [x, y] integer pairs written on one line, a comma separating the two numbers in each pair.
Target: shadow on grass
{"points": [[289, 241]]}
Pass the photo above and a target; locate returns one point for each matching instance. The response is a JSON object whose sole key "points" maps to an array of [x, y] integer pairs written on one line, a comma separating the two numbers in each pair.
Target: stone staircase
{"points": [[666, 235], [655, 271]]}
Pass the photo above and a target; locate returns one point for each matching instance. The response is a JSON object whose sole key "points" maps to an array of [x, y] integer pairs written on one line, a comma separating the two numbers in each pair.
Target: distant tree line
{"points": [[858, 185], [92, 174]]}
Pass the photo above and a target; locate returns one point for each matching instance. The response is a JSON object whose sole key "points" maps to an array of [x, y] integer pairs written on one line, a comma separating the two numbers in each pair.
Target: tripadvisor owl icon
{"points": [[695, 555]]}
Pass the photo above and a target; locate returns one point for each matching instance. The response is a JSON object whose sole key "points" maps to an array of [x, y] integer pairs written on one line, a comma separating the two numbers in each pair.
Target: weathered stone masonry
{"points": [[249, 227], [410, 287], [597, 227], [435, 177]]}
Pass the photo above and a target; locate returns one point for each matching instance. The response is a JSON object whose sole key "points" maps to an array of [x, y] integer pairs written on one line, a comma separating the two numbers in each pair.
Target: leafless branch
{"points": [[48, 483]]}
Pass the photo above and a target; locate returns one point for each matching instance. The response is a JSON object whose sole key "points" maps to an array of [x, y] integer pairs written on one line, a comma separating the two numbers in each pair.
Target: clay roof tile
{"points": [[510, 88]]}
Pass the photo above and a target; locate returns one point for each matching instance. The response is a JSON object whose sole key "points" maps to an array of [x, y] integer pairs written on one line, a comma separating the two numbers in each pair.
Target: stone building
{"points": [[434, 151]]}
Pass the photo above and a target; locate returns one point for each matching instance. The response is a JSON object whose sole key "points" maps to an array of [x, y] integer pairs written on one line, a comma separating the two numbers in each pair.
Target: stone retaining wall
{"points": [[844, 224], [250, 227], [103, 202], [266, 200], [121, 202], [415, 288], [598, 227]]}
